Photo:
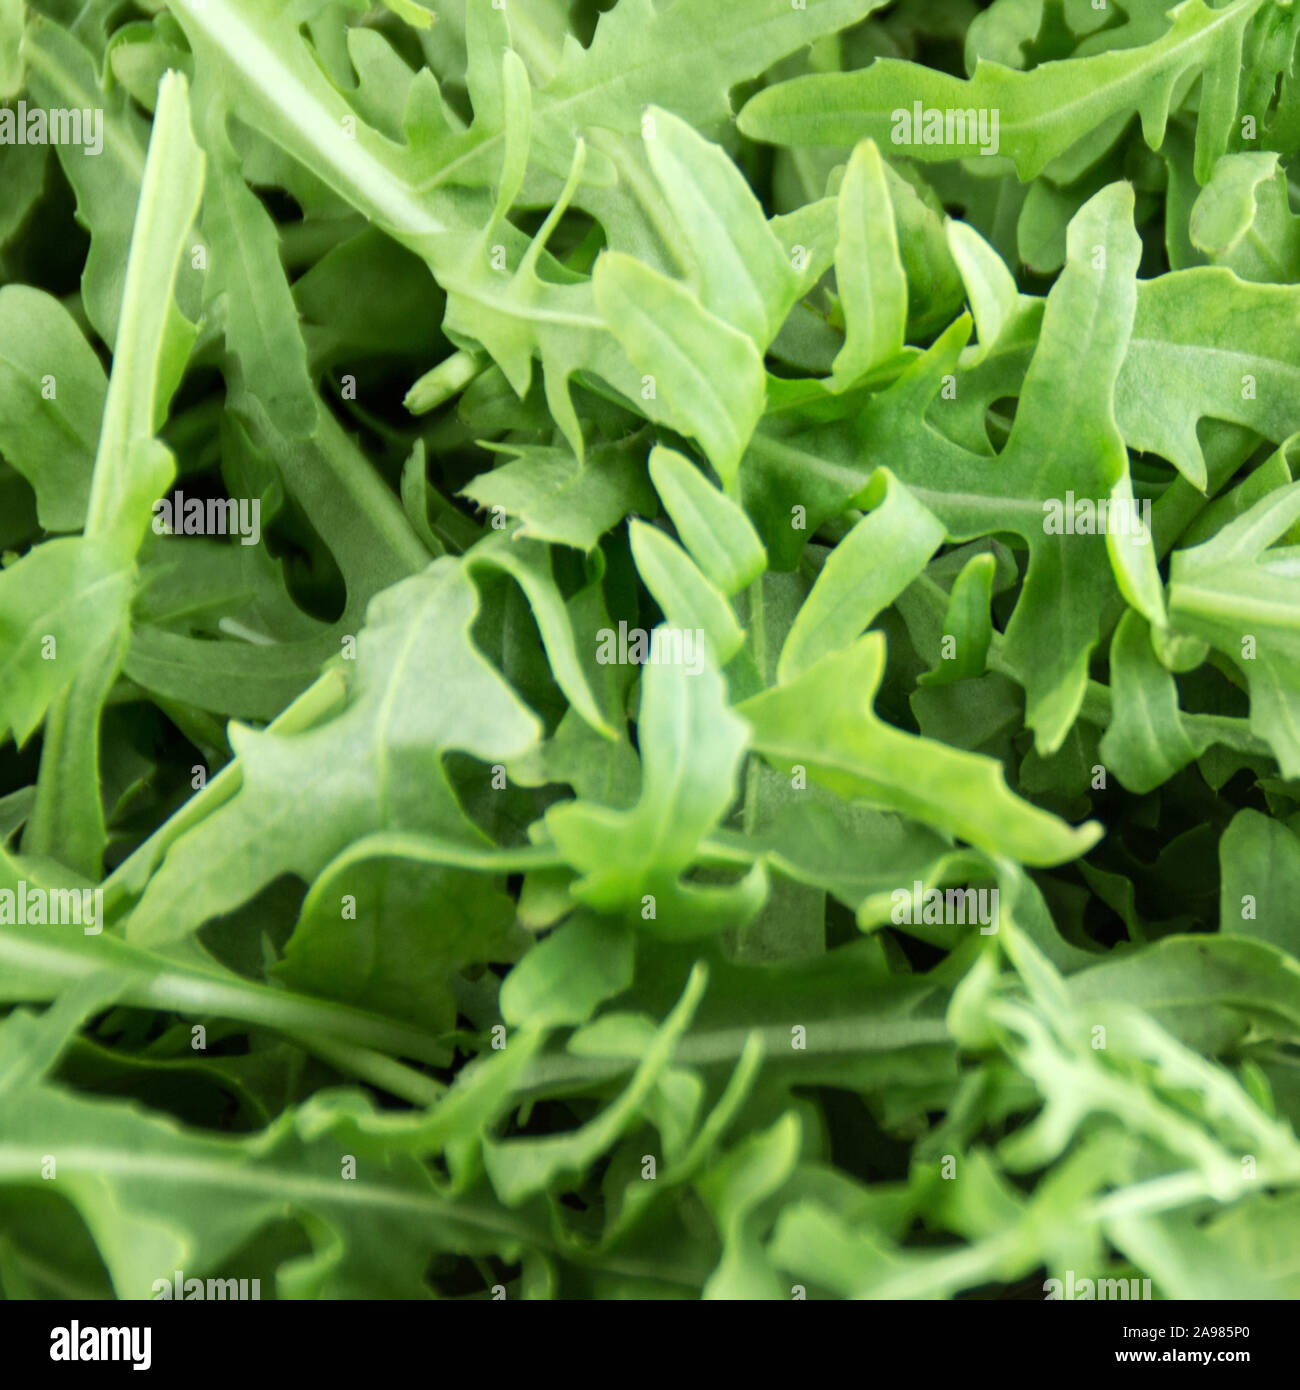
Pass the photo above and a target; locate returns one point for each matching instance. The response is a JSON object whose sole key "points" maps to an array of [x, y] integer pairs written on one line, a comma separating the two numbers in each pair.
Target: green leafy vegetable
{"points": [[649, 649]]}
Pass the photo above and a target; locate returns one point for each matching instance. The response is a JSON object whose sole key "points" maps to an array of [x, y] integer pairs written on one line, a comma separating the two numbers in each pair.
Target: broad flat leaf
{"points": [[1244, 600], [754, 1171], [363, 937], [823, 719], [1242, 219], [420, 689], [521, 1168], [569, 975], [874, 563], [559, 499], [62, 599], [683, 57], [528, 563], [1260, 865], [706, 377], [856, 853], [1042, 113], [39, 966], [62, 74], [1058, 450], [968, 623], [691, 605], [1147, 740], [492, 952], [868, 270], [717, 533], [1207, 991], [261, 325], [1207, 344], [736, 263], [1192, 1259], [52, 387], [990, 286], [523, 316], [368, 536], [691, 746], [132, 1175]]}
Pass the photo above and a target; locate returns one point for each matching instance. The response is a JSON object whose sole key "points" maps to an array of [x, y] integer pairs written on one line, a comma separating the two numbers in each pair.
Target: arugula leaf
{"points": [[751, 571], [820, 718], [49, 438], [416, 641], [1043, 112]]}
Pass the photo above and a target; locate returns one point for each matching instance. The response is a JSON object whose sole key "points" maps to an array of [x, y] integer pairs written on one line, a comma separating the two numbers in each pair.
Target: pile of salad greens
{"points": [[649, 648]]}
